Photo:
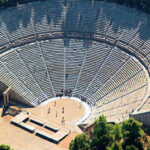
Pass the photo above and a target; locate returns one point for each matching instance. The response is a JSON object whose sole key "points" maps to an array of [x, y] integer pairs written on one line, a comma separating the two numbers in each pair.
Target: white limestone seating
{"points": [[92, 75], [98, 18], [101, 72]]}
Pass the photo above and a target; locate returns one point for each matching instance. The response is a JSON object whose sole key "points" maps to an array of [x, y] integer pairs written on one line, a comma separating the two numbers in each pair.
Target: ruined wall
{"points": [[142, 117], [16, 99]]}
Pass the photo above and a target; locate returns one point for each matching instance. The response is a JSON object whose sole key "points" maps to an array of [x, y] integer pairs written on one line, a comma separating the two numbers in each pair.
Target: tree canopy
{"points": [[80, 142], [132, 133], [116, 146], [105, 136], [102, 136], [5, 147]]}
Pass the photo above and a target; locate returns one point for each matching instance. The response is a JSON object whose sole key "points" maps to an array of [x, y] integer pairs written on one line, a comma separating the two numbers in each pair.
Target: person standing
{"points": [[56, 114], [62, 110], [49, 110]]}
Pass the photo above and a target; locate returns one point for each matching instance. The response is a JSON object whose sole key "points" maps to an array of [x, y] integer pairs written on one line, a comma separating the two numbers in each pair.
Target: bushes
{"points": [[5, 147]]}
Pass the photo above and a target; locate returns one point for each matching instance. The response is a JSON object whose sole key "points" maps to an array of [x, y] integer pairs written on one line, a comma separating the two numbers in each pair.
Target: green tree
{"points": [[81, 142], [148, 146], [116, 146], [5, 147], [132, 133], [117, 132], [131, 147], [102, 136], [108, 148]]}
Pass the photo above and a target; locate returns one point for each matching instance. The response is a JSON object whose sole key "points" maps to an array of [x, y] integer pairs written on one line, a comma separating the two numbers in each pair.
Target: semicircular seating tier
{"points": [[98, 50]]}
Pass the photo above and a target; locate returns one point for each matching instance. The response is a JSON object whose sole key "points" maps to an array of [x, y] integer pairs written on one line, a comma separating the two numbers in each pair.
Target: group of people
{"points": [[63, 110], [64, 92], [83, 98]]}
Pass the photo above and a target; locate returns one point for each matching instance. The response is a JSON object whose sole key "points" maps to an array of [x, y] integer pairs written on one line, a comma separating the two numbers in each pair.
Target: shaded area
{"points": [[138, 4], [74, 16]]}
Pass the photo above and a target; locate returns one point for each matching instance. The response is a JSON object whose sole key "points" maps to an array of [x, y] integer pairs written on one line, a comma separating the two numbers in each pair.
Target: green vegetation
{"points": [[102, 134], [143, 5], [81, 142], [132, 133], [105, 136], [116, 146], [5, 147], [117, 132], [148, 146]]}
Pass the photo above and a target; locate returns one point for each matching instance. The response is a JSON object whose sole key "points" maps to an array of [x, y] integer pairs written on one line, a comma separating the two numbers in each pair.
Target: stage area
{"points": [[75, 112], [62, 111]]}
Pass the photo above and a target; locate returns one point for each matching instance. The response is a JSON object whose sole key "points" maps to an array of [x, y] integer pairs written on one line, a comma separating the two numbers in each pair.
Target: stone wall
{"points": [[16, 99], [142, 117]]}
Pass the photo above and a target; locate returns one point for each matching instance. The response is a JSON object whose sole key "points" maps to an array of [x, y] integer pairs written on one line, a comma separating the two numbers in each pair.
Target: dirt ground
{"points": [[20, 139]]}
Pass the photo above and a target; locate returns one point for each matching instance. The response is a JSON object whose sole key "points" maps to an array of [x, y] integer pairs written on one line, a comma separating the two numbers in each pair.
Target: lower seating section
{"points": [[53, 53], [107, 71], [94, 58], [16, 65], [119, 109], [74, 56], [100, 72], [124, 80], [145, 106], [10, 79], [33, 58]]}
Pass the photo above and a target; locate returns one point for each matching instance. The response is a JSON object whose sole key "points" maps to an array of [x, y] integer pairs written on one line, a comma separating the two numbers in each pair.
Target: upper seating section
{"points": [[124, 25]]}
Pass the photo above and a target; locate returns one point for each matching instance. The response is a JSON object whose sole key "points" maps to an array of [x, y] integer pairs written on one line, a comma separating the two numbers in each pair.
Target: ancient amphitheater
{"points": [[98, 50]]}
